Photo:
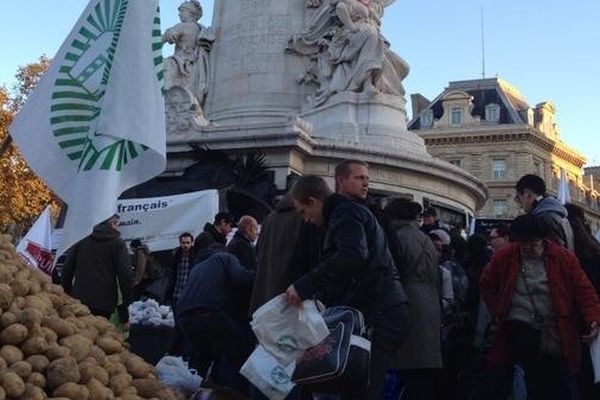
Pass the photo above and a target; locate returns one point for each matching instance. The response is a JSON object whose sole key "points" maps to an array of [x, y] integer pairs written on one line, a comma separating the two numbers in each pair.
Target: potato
{"points": [[98, 391], [2, 394], [136, 366], [13, 334], [30, 317], [23, 274], [49, 335], [53, 289], [38, 302], [34, 345], [110, 346], [38, 362], [61, 371], [32, 392], [129, 390], [55, 352], [6, 296], [76, 309], [72, 391], [5, 275], [98, 354], [90, 370], [79, 346], [11, 354], [61, 327], [120, 382], [3, 365], [90, 333], [148, 387], [12, 383], [128, 396], [34, 287], [21, 368], [37, 379], [19, 287], [7, 318], [114, 368]]}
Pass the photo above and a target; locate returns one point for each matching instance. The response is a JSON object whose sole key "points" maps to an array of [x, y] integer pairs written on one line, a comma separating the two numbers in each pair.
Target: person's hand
{"points": [[589, 337], [292, 297]]}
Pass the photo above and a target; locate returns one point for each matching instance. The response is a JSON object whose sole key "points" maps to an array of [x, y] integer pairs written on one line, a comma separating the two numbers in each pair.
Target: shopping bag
{"points": [[286, 330], [174, 372], [268, 375], [340, 363], [595, 355]]}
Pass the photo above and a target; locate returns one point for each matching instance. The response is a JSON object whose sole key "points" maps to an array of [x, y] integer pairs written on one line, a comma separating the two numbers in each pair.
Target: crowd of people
{"points": [[506, 315]]}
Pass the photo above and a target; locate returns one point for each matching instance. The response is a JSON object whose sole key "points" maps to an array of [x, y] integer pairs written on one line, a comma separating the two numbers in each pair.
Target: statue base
{"points": [[360, 119]]}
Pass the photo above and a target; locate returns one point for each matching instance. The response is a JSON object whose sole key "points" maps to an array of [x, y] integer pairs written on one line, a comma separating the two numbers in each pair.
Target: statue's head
{"points": [[192, 8]]}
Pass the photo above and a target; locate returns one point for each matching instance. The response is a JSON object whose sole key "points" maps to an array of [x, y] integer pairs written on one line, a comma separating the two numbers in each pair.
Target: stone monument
{"points": [[307, 83]]}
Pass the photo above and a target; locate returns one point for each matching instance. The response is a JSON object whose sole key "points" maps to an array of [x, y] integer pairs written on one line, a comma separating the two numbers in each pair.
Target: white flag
{"points": [[36, 246], [564, 196], [95, 124]]}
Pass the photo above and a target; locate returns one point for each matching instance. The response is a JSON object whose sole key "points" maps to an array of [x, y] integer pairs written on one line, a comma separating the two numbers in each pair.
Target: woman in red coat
{"points": [[534, 290]]}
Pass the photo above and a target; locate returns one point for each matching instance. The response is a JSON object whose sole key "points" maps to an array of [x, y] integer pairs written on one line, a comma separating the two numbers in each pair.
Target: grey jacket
{"points": [[417, 262], [554, 216]]}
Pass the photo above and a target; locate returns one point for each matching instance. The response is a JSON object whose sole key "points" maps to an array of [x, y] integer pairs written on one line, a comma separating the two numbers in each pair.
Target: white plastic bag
{"points": [[286, 331], [273, 379], [595, 355], [174, 372]]}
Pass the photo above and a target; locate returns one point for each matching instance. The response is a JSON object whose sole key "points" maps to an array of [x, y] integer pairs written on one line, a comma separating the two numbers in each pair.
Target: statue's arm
{"points": [[171, 35], [343, 13]]}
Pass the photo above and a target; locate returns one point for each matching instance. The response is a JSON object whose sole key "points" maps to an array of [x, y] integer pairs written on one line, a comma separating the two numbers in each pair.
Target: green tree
{"points": [[23, 196]]}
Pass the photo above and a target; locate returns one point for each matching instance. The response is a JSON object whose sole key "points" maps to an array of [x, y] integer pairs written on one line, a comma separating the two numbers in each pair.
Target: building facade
{"points": [[486, 127]]}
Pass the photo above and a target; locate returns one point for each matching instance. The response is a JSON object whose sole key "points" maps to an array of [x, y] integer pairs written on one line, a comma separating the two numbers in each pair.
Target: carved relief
{"points": [[346, 51]]}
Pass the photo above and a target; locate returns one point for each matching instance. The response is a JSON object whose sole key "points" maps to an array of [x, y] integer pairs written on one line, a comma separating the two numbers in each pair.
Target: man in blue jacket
{"points": [[204, 315], [356, 270]]}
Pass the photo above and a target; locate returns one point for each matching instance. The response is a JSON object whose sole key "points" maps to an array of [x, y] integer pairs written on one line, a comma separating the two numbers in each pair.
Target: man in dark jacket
{"points": [[356, 270], [204, 314], [180, 267], [531, 196], [97, 263], [242, 244], [215, 233]]}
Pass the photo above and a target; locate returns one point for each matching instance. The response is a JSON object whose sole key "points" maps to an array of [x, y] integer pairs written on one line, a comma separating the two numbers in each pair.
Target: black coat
{"points": [[244, 250], [209, 238], [93, 268], [357, 269]]}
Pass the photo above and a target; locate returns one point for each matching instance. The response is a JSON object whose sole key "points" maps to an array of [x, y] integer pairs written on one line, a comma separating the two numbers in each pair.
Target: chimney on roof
{"points": [[419, 103]]}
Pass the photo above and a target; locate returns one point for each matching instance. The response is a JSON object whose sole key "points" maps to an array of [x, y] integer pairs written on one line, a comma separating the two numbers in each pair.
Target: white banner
{"points": [[158, 221]]}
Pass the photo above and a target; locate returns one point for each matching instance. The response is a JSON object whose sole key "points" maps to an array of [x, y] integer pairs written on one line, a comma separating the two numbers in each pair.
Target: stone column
{"points": [[253, 79]]}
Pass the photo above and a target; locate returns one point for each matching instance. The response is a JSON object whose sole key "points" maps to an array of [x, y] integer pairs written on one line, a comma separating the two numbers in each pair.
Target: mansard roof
{"points": [[513, 106]]}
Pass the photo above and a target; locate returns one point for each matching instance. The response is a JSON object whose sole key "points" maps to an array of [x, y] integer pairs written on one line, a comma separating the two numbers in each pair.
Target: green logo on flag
{"points": [[80, 88]]}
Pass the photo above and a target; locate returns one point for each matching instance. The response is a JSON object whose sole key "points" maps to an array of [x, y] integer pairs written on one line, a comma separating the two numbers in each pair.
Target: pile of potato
{"points": [[51, 347]]}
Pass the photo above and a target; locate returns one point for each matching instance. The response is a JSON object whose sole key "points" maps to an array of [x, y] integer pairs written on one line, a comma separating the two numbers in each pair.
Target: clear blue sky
{"points": [[549, 49]]}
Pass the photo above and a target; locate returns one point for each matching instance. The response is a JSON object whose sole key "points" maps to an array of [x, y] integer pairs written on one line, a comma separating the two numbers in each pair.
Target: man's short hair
{"points": [[503, 229], [186, 234], [225, 216], [343, 168], [135, 243], [526, 228], [310, 186], [404, 209], [246, 221], [532, 182], [430, 212]]}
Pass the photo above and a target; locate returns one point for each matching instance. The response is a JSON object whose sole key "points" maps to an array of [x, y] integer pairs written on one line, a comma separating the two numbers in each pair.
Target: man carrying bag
{"points": [[357, 270]]}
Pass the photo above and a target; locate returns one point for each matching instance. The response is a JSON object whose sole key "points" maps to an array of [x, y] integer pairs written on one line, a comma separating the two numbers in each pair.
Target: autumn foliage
{"points": [[23, 196]]}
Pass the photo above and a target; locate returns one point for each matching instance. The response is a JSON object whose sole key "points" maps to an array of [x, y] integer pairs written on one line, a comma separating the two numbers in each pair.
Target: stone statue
{"points": [[347, 51], [189, 66]]}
